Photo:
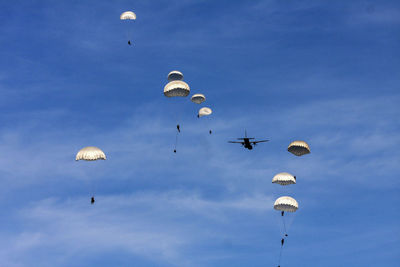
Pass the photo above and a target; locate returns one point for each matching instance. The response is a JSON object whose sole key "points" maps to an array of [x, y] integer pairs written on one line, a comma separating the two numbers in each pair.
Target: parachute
{"points": [[90, 153], [176, 88], [299, 148], [286, 203], [128, 15], [284, 178], [198, 98], [204, 112], [175, 76]]}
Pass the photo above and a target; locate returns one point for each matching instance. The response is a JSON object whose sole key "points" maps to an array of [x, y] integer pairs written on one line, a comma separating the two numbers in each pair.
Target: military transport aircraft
{"points": [[246, 141]]}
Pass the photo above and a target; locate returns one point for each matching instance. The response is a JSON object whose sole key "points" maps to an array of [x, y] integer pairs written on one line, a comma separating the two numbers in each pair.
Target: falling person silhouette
{"points": [[92, 200], [178, 127], [129, 42]]}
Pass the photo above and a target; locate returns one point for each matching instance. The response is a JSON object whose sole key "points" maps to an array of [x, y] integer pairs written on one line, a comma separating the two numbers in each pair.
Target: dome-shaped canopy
{"points": [[286, 204], [299, 148], [284, 178], [198, 98], [90, 153], [175, 76], [128, 15], [176, 88], [204, 112]]}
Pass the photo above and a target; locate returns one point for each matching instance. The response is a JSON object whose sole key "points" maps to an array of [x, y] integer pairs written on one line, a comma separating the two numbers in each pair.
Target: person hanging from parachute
{"points": [[130, 16], [205, 112], [283, 214], [176, 137], [173, 89], [90, 153]]}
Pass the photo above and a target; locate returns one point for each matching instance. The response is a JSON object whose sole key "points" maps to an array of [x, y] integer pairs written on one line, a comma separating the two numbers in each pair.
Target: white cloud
{"points": [[159, 227]]}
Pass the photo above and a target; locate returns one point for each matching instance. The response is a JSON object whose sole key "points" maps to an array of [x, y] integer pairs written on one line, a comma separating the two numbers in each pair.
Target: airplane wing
{"points": [[235, 142], [260, 141]]}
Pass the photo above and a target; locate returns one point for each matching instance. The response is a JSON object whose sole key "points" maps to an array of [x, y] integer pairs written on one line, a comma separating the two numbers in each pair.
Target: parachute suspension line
{"points": [[280, 256], [284, 225], [176, 141], [91, 189], [94, 182], [289, 221], [280, 252], [89, 185], [94, 189], [130, 34], [176, 118]]}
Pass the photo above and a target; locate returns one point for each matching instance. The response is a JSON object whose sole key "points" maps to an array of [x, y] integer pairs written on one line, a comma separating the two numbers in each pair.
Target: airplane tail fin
{"points": [[245, 136]]}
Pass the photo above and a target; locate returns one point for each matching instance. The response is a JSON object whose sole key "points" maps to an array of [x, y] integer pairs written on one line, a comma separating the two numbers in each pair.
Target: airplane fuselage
{"points": [[247, 144]]}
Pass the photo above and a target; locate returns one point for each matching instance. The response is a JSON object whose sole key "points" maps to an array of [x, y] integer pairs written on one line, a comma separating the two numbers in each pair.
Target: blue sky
{"points": [[327, 73]]}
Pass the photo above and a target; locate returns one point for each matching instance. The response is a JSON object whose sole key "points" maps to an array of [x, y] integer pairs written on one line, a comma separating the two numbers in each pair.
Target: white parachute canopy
{"points": [[175, 75], [176, 88], [299, 148], [128, 15], [286, 204], [205, 112], [198, 98], [284, 178], [90, 153]]}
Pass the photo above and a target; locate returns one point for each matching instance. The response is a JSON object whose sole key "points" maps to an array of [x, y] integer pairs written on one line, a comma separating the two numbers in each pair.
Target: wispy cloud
{"points": [[143, 224]]}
